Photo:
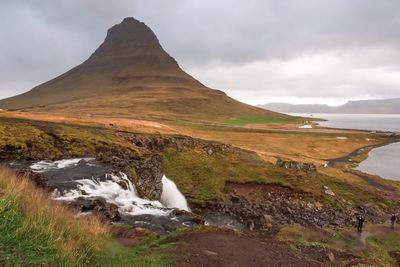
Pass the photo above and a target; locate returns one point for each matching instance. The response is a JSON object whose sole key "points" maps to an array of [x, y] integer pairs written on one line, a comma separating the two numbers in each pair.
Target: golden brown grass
{"points": [[51, 224], [307, 146]]}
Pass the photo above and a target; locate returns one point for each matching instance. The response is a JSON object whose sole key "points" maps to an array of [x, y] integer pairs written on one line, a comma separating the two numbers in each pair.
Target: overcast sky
{"points": [[257, 51]]}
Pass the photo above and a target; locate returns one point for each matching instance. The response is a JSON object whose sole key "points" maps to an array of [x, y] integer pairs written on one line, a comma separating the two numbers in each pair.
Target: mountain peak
{"points": [[130, 74], [129, 37]]}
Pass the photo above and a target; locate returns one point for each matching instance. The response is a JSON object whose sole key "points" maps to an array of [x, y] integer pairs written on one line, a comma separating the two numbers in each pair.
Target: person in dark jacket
{"points": [[360, 223], [393, 220]]}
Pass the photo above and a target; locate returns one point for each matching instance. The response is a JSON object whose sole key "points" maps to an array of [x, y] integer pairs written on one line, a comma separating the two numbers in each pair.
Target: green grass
{"points": [[261, 120], [152, 254], [38, 140], [381, 244], [24, 137], [202, 177], [23, 243], [307, 237], [37, 231]]}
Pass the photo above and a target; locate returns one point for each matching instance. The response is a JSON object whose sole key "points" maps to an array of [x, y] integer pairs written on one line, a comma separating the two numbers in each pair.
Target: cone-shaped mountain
{"points": [[131, 75]]}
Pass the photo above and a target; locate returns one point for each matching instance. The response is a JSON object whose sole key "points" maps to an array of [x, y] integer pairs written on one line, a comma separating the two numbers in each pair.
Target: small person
{"points": [[360, 224], [393, 220]]}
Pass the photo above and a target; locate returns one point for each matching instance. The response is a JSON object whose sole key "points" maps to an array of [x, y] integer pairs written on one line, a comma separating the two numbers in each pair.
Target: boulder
{"points": [[107, 212]]}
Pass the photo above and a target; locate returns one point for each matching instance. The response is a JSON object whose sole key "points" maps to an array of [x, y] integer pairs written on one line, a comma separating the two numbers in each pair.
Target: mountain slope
{"points": [[380, 106], [130, 75]]}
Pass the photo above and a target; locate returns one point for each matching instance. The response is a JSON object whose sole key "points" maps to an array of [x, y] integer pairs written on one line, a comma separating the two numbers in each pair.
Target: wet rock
{"points": [[149, 177], [123, 184], [161, 224], [192, 217], [107, 212], [38, 179]]}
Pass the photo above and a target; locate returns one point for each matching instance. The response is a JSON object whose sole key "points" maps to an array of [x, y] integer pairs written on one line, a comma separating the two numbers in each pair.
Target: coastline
{"points": [[349, 162], [360, 152]]}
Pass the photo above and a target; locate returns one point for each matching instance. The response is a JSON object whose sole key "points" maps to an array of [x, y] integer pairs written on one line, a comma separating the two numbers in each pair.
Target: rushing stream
{"points": [[74, 180], [81, 181], [96, 180]]}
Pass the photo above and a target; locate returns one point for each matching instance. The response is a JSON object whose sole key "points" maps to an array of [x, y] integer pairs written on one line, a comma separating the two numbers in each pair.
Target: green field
{"points": [[261, 120]]}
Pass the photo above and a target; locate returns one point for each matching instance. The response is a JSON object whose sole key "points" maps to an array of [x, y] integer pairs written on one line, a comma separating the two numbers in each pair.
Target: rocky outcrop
{"points": [[154, 142], [277, 205], [148, 180], [297, 166]]}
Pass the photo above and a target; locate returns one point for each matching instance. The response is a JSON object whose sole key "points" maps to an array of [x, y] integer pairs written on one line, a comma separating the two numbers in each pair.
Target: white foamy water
{"points": [[171, 197], [127, 200], [46, 165], [125, 197]]}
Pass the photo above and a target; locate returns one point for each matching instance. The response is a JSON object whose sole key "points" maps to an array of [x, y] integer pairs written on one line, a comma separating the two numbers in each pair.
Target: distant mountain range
{"points": [[382, 106]]}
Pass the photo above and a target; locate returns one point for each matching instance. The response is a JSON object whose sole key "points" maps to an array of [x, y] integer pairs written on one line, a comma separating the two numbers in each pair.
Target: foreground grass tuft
{"points": [[37, 231]]}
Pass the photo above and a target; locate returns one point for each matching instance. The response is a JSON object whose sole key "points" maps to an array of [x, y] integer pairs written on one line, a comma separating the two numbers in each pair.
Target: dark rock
{"points": [[297, 166], [123, 184], [149, 177], [235, 199]]}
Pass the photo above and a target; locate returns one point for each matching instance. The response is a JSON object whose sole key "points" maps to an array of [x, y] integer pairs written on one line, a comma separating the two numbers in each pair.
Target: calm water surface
{"points": [[383, 161], [381, 122]]}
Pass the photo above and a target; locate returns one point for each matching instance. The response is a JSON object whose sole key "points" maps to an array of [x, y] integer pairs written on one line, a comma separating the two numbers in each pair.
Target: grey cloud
{"points": [[43, 38]]}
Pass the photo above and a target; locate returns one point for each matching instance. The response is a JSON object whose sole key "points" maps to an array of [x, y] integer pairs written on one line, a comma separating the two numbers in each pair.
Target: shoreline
{"points": [[371, 179], [359, 152]]}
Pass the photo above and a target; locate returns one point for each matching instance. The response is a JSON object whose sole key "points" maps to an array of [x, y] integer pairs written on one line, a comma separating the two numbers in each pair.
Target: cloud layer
{"points": [[257, 51]]}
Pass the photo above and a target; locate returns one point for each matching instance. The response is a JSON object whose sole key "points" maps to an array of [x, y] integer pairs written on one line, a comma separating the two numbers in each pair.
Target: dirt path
{"points": [[376, 231], [234, 250], [362, 240]]}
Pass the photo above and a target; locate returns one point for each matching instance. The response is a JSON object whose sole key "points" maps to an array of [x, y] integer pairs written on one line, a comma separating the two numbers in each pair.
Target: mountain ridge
{"points": [[372, 106]]}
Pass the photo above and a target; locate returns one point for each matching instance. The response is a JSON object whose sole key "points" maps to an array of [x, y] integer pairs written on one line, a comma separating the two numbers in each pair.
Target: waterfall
{"points": [[112, 189], [171, 197]]}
